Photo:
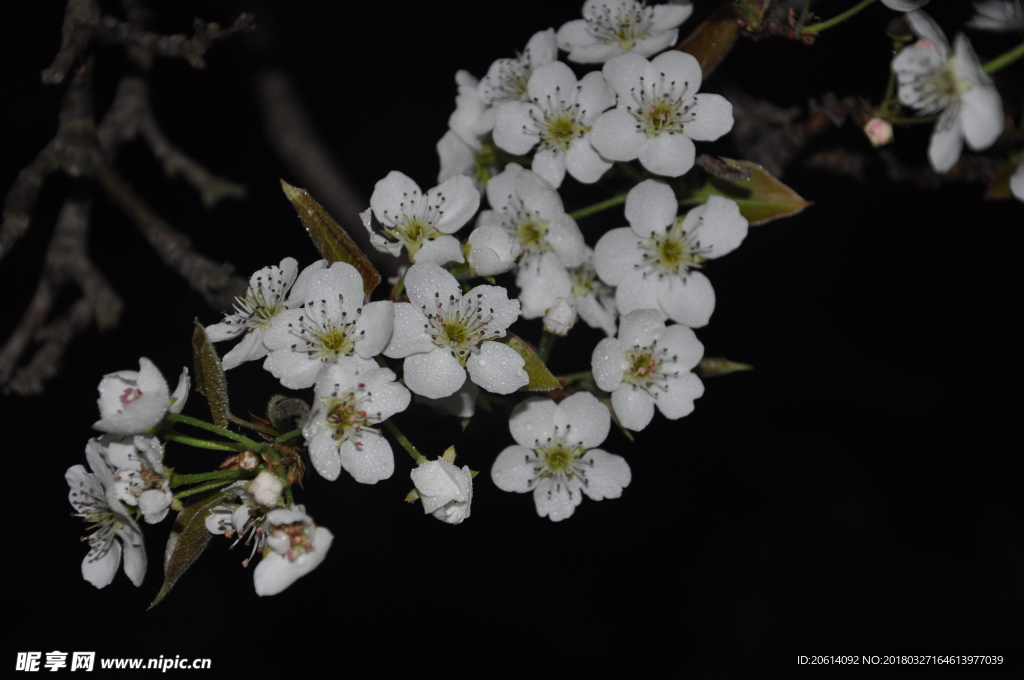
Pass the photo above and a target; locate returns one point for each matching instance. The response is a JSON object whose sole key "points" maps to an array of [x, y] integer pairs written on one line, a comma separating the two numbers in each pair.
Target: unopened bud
{"points": [[561, 317], [878, 131]]}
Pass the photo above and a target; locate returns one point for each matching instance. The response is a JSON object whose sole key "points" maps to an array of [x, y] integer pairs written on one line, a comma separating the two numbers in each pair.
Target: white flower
{"points": [[492, 250], [334, 326], [595, 301], [654, 262], [659, 113], [92, 496], [132, 402], [445, 491], [294, 547], [340, 433], [649, 364], [555, 455], [421, 222], [471, 121], [1017, 182], [507, 79], [610, 28], [560, 317], [558, 117], [904, 5], [933, 80], [1001, 16], [441, 330], [266, 489], [138, 466], [271, 291]]}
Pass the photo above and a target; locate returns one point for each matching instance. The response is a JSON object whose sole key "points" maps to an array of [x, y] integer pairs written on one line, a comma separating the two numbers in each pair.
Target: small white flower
{"points": [[132, 402], [340, 434], [421, 222], [507, 79], [659, 113], [610, 28], [92, 496], [138, 466], [904, 5], [560, 317], [443, 333], [468, 125], [266, 489], [1017, 182], [654, 262], [558, 117], [492, 251], [934, 80], [271, 291], [1001, 16], [445, 491], [648, 365], [294, 547], [595, 301], [555, 456], [333, 326]]}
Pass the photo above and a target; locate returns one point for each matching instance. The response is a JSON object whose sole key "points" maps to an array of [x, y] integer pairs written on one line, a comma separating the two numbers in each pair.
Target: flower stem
{"points": [[913, 121], [202, 424], [547, 343], [573, 377], [181, 480], [201, 488], [598, 207], [252, 426], [839, 18], [1004, 59], [288, 435], [404, 441], [203, 443]]}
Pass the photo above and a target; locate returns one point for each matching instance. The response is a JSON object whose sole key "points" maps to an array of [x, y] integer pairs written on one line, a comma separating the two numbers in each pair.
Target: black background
{"points": [[854, 494]]}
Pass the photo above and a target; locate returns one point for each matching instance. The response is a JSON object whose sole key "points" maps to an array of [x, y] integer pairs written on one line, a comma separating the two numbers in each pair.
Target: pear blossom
{"points": [[132, 402], [555, 455], [340, 434], [422, 223], [610, 28], [445, 491], [468, 126], [649, 364], [271, 290], [1001, 16], [1017, 182], [654, 262], [507, 79], [557, 117], [560, 317], [935, 80], [114, 533], [442, 333], [492, 250], [294, 547], [139, 476], [594, 300], [266, 489], [333, 326], [878, 131], [659, 112]]}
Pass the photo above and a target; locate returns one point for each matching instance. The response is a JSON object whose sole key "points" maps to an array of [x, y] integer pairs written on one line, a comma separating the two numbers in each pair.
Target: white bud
{"points": [[560, 317], [492, 250]]}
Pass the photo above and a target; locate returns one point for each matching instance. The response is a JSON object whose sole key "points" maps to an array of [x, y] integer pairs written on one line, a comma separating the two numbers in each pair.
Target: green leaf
{"points": [[713, 39], [328, 236], [762, 198], [189, 538], [541, 379], [210, 379], [710, 367]]}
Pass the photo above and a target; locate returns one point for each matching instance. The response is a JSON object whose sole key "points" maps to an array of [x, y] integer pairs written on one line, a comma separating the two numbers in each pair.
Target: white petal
{"points": [[501, 188], [374, 328], [410, 334], [574, 34], [324, 454], [134, 554], [657, 42], [634, 407], [609, 475], [427, 282], [718, 224], [295, 370], [434, 374], [440, 250], [641, 327], [550, 164], [497, 368], [671, 15], [636, 291], [947, 141], [682, 343], [494, 300], [585, 420], [617, 136], [541, 281], [595, 54], [595, 96], [678, 400], [389, 194], [514, 130], [100, 571], [584, 163], [609, 364], [617, 254], [926, 28], [276, 572], [461, 201], [712, 118], [532, 421], [555, 80], [650, 208], [670, 155], [512, 469], [689, 301], [369, 458], [556, 502], [1017, 182], [981, 114], [681, 68], [249, 348]]}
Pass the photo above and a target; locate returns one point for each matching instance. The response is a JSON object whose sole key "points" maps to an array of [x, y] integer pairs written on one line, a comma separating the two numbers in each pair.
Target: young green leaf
{"points": [[761, 198], [210, 379], [541, 379]]}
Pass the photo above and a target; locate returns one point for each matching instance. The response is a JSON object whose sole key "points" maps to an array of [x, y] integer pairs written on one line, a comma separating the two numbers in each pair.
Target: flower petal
{"points": [[617, 254], [513, 469], [711, 118], [368, 459], [533, 421], [609, 364], [497, 368], [617, 136], [634, 407], [670, 155], [651, 207], [584, 420], [689, 301], [678, 400], [434, 374], [609, 475]]}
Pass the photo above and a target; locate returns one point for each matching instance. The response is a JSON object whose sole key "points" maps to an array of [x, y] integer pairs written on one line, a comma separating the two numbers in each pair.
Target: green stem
{"points": [[203, 443], [181, 480], [598, 207], [288, 435], [252, 426], [637, 175], [573, 377], [1004, 59], [839, 18], [201, 488], [913, 121], [404, 441], [210, 427], [547, 343]]}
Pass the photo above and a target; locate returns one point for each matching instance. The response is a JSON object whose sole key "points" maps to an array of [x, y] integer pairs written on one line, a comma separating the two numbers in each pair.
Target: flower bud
{"points": [[445, 490], [492, 250], [878, 131], [561, 317]]}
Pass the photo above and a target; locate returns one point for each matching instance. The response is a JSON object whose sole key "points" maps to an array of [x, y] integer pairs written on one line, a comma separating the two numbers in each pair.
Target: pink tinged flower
{"points": [[879, 131], [333, 326], [1001, 16], [555, 455], [445, 491], [442, 333], [655, 262], [294, 547], [557, 121], [649, 365], [340, 431], [659, 113], [610, 28], [139, 477], [271, 291], [132, 402], [935, 80], [421, 222], [114, 533]]}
